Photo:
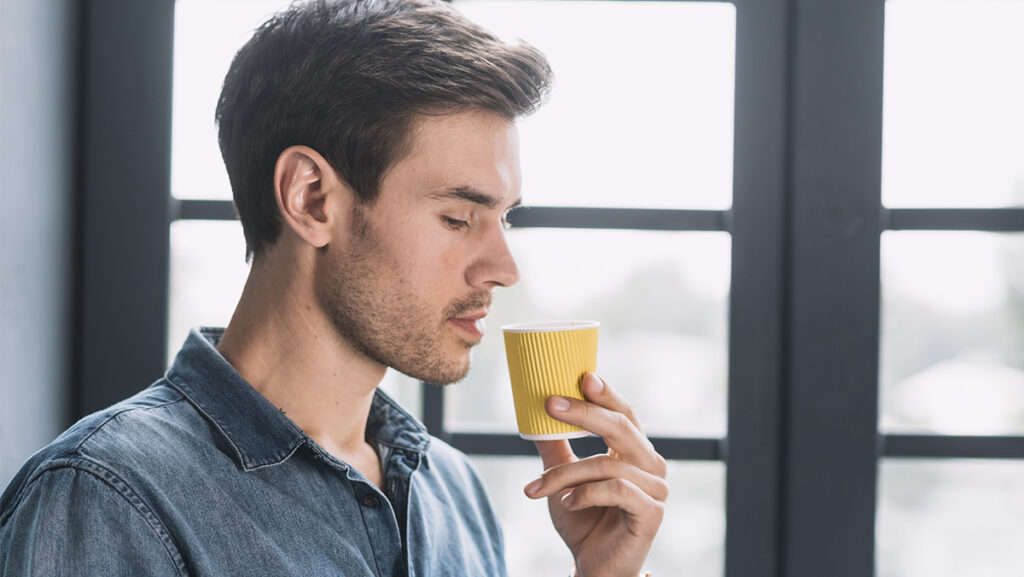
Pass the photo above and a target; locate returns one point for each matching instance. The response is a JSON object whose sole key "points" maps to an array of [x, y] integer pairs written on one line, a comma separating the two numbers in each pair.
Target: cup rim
{"points": [[549, 326]]}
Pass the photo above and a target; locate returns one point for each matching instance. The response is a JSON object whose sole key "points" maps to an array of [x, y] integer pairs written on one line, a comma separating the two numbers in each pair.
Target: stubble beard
{"points": [[379, 315]]}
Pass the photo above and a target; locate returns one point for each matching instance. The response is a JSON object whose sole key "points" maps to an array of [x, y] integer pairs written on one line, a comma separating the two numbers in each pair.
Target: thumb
{"points": [[555, 452]]}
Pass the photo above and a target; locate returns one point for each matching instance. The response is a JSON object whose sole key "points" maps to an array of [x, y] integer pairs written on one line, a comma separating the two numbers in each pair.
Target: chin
{"points": [[449, 372], [456, 374]]}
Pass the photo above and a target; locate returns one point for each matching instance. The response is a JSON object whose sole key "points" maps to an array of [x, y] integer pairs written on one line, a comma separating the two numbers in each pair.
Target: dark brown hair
{"points": [[347, 78]]}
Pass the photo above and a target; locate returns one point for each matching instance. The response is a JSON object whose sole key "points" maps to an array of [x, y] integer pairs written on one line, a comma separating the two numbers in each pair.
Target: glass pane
{"points": [[952, 353], [950, 518], [208, 271], [642, 109], [206, 36], [953, 133], [661, 298], [690, 542], [666, 122]]}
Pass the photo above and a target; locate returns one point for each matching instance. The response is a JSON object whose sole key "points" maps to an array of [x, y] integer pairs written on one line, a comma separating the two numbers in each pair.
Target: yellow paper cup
{"points": [[547, 359]]}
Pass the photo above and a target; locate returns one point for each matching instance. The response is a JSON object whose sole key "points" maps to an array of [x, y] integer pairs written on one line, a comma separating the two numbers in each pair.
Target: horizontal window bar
{"points": [[987, 219], [953, 446], [689, 449], [202, 210], [528, 217], [620, 218]]}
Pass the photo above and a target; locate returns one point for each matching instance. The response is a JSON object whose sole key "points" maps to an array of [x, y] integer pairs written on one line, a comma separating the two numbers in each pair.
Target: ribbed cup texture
{"points": [[542, 364]]}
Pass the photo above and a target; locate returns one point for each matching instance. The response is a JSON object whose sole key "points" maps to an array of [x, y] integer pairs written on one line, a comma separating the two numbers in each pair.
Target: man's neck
{"points": [[282, 344]]}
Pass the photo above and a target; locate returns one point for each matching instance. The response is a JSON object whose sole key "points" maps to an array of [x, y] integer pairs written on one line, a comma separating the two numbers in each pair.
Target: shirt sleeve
{"points": [[73, 522]]}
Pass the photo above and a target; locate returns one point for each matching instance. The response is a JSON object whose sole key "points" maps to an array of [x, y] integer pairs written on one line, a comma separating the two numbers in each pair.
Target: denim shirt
{"points": [[201, 475]]}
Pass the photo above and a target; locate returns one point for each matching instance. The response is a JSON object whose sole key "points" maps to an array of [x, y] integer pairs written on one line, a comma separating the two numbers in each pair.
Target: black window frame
{"points": [[803, 445]]}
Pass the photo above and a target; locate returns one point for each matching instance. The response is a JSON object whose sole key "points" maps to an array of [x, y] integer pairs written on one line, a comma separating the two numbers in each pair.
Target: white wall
{"points": [[38, 46]]}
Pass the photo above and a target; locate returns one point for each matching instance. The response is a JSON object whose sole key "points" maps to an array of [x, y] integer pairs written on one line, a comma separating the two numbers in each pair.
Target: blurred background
{"points": [[800, 344]]}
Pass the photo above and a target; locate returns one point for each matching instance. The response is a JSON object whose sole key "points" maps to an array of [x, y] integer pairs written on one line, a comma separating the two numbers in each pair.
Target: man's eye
{"points": [[454, 223]]}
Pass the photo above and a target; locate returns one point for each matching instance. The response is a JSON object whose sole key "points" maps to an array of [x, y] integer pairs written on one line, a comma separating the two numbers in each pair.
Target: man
{"points": [[372, 150]]}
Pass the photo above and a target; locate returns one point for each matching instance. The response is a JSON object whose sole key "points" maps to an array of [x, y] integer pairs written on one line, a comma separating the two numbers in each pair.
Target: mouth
{"points": [[472, 325]]}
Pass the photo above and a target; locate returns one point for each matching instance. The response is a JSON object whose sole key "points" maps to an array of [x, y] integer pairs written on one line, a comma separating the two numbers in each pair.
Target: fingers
{"points": [[616, 428], [598, 392], [622, 494], [592, 470]]}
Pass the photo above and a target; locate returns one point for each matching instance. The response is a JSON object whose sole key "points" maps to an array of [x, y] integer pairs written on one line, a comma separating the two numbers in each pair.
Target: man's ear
{"points": [[308, 193]]}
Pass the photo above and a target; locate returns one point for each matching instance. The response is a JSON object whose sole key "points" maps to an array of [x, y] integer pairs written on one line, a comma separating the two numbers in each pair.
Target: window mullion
{"points": [[124, 217], [832, 297], [756, 327]]}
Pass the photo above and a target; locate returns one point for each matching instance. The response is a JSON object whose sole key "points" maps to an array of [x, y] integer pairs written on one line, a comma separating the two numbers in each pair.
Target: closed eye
{"points": [[454, 223]]}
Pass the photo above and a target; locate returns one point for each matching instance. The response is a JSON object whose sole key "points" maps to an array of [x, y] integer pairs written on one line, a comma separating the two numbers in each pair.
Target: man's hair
{"points": [[348, 79]]}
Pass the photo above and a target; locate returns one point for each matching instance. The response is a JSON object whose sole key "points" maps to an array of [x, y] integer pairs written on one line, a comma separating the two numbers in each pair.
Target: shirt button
{"points": [[370, 501]]}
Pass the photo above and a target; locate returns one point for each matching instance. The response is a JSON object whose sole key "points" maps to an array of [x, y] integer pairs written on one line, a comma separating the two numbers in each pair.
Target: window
{"points": [[952, 334], [823, 345]]}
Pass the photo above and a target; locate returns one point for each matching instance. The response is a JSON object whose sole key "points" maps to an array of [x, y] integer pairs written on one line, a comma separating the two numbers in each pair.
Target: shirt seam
{"points": [[78, 446], [126, 492]]}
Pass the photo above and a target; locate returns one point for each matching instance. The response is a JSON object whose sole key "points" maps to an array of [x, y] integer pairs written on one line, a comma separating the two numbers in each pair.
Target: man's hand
{"points": [[608, 507]]}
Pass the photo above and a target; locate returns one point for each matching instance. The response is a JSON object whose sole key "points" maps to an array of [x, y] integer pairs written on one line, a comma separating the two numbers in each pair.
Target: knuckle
{"points": [[661, 491], [630, 412], [607, 464], [581, 495], [660, 466], [622, 488], [554, 474], [548, 478], [622, 423], [586, 409], [658, 512]]}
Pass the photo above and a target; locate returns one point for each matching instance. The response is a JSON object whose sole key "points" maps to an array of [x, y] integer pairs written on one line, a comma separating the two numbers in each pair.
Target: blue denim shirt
{"points": [[201, 475]]}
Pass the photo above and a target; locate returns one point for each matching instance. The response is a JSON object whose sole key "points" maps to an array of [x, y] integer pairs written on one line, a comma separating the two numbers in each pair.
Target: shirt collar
{"points": [[259, 432]]}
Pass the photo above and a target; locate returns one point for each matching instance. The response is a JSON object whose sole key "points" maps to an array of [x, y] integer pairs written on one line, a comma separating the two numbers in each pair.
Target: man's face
{"points": [[411, 287]]}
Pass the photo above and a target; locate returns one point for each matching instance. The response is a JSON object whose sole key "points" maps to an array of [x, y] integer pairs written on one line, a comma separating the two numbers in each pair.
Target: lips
{"points": [[473, 325]]}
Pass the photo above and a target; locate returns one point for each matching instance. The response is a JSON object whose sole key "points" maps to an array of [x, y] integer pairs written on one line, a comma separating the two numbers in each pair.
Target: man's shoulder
{"points": [[152, 415], [113, 441]]}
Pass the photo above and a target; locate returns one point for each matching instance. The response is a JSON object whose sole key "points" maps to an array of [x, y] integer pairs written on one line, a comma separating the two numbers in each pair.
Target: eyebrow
{"points": [[473, 195]]}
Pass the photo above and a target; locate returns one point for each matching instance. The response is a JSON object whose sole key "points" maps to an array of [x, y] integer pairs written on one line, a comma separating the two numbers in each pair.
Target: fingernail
{"points": [[534, 485], [567, 500], [560, 404], [596, 383]]}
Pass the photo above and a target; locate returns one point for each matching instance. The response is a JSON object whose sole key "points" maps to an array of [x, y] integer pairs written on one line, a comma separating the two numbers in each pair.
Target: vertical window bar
{"points": [[433, 409], [125, 214], [832, 298], [756, 327]]}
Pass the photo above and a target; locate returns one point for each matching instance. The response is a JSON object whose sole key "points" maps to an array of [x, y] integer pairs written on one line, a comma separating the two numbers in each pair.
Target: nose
{"points": [[495, 266]]}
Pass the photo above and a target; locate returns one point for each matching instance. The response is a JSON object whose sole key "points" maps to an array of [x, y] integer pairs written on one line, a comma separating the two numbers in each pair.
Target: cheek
{"points": [[452, 262], [438, 275], [429, 257], [422, 264]]}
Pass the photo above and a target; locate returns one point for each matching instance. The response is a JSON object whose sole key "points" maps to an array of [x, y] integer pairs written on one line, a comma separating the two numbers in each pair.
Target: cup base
{"points": [[556, 436]]}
